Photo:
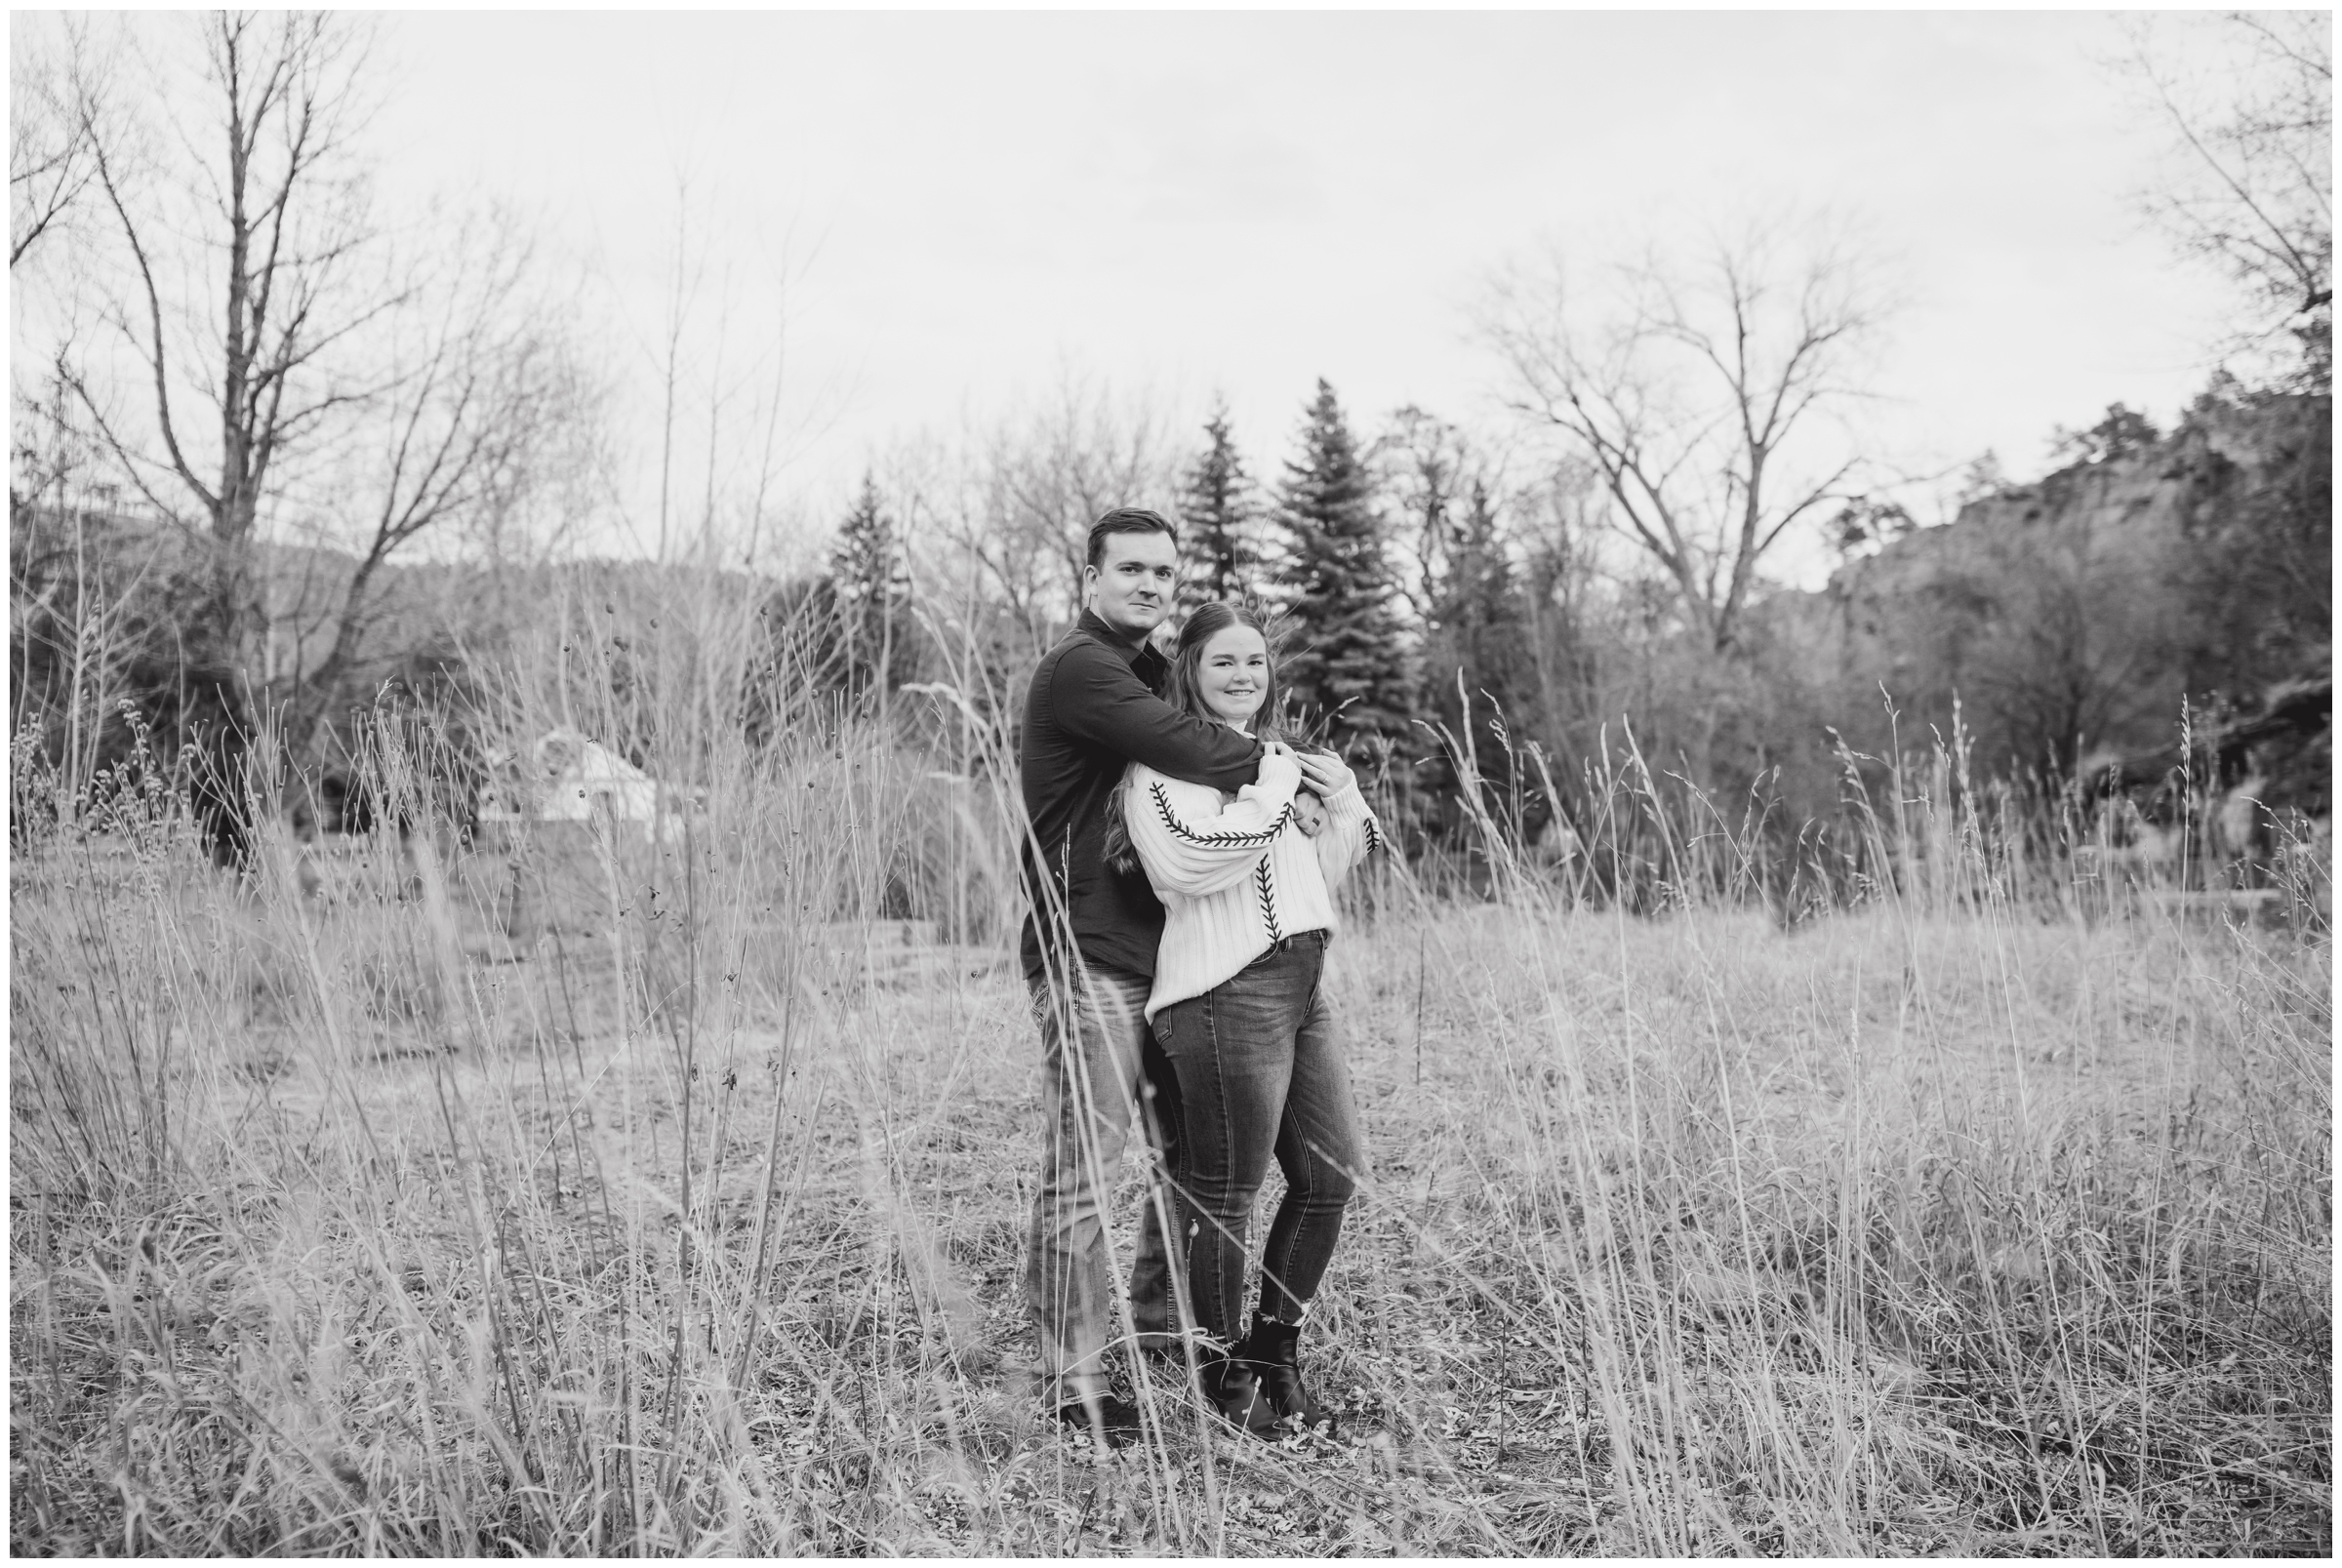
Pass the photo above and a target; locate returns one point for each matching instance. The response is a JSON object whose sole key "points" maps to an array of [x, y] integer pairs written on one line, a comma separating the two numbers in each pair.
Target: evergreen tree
{"points": [[1477, 609], [1480, 633], [1216, 510], [1348, 659], [870, 586]]}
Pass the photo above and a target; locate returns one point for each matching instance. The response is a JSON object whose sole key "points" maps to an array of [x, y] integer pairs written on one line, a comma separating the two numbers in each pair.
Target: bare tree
{"points": [[2247, 98], [283, 210], [1037, 480], [2068, 639], [287, 362], [1702, 396], [719, 406], [1426, 466], [1561, 521], [476, 381]]}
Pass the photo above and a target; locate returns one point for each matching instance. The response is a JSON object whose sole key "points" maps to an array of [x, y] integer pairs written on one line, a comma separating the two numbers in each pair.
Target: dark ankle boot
{"points": [[1234, 1388], [1272, 1349]]}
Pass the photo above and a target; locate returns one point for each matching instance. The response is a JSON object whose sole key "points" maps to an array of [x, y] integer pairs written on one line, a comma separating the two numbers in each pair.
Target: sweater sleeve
{"points": [[1349, 834], [1096, 697], [1191, 843]]}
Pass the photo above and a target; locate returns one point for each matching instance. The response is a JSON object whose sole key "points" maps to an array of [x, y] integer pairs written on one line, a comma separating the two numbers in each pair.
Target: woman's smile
{"points": [[1232, 674]]}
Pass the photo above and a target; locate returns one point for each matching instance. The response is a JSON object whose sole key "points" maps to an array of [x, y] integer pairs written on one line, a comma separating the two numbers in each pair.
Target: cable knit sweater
{"points": [[1233, 873]]}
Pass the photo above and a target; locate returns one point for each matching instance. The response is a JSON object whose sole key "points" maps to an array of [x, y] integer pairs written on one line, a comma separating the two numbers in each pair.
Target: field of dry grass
{"points": [[345, 1225]]}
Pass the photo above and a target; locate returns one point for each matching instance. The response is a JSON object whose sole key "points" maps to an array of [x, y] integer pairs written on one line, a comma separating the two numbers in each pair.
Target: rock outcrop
{"points": [[2075, 620]]}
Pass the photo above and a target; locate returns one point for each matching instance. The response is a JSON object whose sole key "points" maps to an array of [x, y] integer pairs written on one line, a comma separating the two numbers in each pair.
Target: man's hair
{"points": [[1127, 520]]}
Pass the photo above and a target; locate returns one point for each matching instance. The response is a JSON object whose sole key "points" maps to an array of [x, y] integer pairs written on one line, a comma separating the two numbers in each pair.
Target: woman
{"points": [[1238, 1008]]}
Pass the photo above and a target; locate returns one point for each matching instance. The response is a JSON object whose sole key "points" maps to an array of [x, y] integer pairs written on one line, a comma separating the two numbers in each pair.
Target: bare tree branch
{"points": [[2249, 102], [153, 348], [1692, 395], [54, 110]]}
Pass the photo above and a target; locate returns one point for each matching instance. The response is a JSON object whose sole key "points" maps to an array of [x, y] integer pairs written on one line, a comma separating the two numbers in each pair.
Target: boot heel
{"points": [[1272, 1351], [1236, 1393]]}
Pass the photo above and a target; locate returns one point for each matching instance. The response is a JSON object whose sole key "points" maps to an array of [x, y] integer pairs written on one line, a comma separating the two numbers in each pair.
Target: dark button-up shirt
{"points": [[1093, 708]]}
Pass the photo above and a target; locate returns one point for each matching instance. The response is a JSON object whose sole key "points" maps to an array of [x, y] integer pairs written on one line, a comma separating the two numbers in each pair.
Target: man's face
{"points": [[1130, 587]]}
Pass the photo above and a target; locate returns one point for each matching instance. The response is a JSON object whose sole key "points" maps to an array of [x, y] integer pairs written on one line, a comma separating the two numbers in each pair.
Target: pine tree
{"points": [[1477, 662], [1216, 512], [1476, 606], [870, 586], [1347, 656]]}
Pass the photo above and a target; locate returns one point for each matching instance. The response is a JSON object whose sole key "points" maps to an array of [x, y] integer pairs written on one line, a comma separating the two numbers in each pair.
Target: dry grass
{"points": [[690, 1221], [1896, 1233]]}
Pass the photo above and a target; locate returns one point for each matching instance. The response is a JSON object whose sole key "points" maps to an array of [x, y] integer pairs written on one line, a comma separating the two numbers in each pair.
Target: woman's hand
{"points": [[1325, 772]]}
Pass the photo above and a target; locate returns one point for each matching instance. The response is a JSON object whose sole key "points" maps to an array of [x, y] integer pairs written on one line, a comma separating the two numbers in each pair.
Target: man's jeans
{"points": [[1100, 1066], [1260, 1073]]}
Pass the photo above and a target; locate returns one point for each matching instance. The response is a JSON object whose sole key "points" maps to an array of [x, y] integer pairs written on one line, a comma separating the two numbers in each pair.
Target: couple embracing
{"points": [[1180, 869]]}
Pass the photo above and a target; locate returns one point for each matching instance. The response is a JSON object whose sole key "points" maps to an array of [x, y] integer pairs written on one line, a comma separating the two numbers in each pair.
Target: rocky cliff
{"points": [[2073, 617]]}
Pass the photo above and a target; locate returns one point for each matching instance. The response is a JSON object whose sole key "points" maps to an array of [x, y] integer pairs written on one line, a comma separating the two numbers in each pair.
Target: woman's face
{"points": [[1233, 673]]}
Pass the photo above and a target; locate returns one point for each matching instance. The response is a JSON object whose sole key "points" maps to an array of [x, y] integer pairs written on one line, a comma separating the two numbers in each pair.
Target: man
{"points": [[1089, 949]]}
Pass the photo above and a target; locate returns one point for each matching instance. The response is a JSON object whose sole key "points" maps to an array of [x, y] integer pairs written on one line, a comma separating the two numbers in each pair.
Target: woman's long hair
{"points": [[1183, 691]]}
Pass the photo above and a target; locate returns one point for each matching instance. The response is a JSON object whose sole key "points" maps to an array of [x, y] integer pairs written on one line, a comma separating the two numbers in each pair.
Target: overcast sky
{"points": [[1246, 202]]}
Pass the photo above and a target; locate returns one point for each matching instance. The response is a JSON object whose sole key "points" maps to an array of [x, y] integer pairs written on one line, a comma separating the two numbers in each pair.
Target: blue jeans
{"points": [[1261, 1073], [1100, 1065]]}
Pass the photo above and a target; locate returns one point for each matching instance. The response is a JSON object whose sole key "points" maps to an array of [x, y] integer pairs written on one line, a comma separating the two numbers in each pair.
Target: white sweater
{"points": [[1233, 873]]}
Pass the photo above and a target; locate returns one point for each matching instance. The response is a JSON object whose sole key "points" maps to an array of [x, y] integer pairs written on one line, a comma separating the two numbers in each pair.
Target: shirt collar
{"points": [[1095, 625]]}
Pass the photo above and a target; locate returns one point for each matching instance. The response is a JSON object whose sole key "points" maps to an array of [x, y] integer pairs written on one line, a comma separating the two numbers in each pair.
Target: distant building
{"points": [[571, 779]]}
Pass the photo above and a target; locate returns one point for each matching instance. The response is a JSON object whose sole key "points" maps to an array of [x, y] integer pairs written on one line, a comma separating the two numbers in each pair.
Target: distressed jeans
{"points": [[1100, 1068], [1261, 1075]]}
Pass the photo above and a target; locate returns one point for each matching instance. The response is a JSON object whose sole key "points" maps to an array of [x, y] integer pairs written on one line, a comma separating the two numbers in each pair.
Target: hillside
{"points": [[2072, 616]]}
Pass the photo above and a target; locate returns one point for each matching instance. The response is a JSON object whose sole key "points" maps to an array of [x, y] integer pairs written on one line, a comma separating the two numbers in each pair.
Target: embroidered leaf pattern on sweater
{"points": [[1226, 840], [1268, 894]]}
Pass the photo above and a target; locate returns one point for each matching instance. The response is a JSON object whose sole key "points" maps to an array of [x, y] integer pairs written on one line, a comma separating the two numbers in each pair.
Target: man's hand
{"points": [[1325, 772], [1309, 813]]}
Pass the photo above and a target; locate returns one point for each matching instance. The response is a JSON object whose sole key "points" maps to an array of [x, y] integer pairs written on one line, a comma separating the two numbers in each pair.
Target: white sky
{"points": [[1193, 202]]}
